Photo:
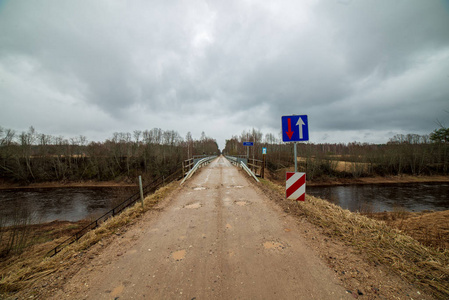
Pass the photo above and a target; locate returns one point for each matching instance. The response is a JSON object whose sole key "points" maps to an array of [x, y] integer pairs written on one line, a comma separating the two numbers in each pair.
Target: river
{"points": [[379, 198], [65, 204]]}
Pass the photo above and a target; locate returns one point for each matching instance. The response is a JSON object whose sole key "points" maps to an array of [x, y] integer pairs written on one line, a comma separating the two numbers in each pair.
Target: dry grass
{"points": [[22, 271], [339, 165], [428, 227], [420, 265], [349, 167]]}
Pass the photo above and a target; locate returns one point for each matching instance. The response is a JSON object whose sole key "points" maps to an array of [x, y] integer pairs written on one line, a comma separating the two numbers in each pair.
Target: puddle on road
{"points": [[273, 245], [227, 201], [235, 186], [199, 188], [193, 205], [117, 291], [179, 255]]}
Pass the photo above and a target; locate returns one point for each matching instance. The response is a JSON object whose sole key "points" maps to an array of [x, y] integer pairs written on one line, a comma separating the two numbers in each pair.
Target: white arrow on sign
{"points": [[300, 123]]}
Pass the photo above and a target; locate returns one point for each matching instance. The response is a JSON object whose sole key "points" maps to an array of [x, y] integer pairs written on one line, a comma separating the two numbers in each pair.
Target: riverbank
{"points": [[378, 180], [279, 177], [327, 181], [29, 271], [66, 184]]}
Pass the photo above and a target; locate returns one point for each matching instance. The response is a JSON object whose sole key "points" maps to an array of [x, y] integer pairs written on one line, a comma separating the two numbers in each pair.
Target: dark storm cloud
{"points": [[359, 69], [385, 36]]}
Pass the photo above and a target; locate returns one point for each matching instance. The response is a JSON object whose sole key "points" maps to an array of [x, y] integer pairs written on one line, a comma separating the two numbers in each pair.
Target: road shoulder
{"points": [[360, 276]]}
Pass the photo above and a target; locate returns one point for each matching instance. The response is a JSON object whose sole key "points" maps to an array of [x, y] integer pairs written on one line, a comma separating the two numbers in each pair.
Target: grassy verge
{"points": [[422, 266], [431, 228], [21, 271]]}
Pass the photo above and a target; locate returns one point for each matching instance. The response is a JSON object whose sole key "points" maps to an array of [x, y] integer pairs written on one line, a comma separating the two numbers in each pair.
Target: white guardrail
{"points": [[198, 165], [244, 167], [239, 162]]}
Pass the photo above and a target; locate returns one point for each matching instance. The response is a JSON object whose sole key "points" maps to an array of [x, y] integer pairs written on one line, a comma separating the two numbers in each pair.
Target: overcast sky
{"points": [[361, 70]]}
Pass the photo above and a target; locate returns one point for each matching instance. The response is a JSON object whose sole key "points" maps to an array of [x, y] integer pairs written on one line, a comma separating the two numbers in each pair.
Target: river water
{"points": [[379, 198], [64, 204]]}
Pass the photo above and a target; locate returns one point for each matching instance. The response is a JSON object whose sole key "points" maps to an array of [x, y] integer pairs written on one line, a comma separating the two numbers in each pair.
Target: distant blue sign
{"points": [[264, 150], [295, 128], [248, 144]]}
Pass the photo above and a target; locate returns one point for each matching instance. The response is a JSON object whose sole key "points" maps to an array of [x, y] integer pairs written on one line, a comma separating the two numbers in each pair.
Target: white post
{"points": [[141, 190]]}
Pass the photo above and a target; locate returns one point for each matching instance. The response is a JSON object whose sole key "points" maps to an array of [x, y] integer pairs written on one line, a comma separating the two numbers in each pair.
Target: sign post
{"points": [[264, 152], [295, 153], [247, 149], [295, 129]]}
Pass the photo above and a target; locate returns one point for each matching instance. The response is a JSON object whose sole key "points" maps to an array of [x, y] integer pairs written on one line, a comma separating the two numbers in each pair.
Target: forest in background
{"points": [[30, 156], [404, 154], [37, 157]]}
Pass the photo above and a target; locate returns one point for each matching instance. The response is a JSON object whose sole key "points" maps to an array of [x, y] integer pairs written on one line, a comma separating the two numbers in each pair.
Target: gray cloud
{"points": [[363, 70]]}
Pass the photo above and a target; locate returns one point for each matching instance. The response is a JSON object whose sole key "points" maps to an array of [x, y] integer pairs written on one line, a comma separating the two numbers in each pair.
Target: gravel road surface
{"points": [[217, 237]]}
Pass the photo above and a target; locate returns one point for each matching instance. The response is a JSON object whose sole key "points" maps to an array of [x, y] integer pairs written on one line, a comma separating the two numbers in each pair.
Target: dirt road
{"points": [[219, 237]]}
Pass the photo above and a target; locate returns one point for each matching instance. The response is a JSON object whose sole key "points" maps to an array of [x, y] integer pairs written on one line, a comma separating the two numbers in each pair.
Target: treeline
{"points": [[37, 157], [404, 154]]}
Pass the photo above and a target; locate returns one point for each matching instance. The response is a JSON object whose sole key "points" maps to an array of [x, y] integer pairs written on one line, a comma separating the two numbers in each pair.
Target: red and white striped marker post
{"points": [[296, 186]]}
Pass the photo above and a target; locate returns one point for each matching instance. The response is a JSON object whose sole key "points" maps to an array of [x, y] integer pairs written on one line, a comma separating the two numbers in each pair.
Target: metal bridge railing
{"points": [[242, 161], [198, 165], [188, 164], [236, 159], [244, 167], [256, 166], [150, 188]]}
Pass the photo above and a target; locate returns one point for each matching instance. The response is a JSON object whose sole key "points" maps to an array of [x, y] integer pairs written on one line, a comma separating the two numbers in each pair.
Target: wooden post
{"points": [[263, 166]]}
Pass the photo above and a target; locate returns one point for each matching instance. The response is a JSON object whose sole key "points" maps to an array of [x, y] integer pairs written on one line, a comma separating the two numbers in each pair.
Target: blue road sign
{"points": [[295, 128], [248, 143]]}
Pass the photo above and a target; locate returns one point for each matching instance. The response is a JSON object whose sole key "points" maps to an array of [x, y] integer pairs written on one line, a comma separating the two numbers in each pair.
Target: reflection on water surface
{"points": [[379, 198], [69, 204]]}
